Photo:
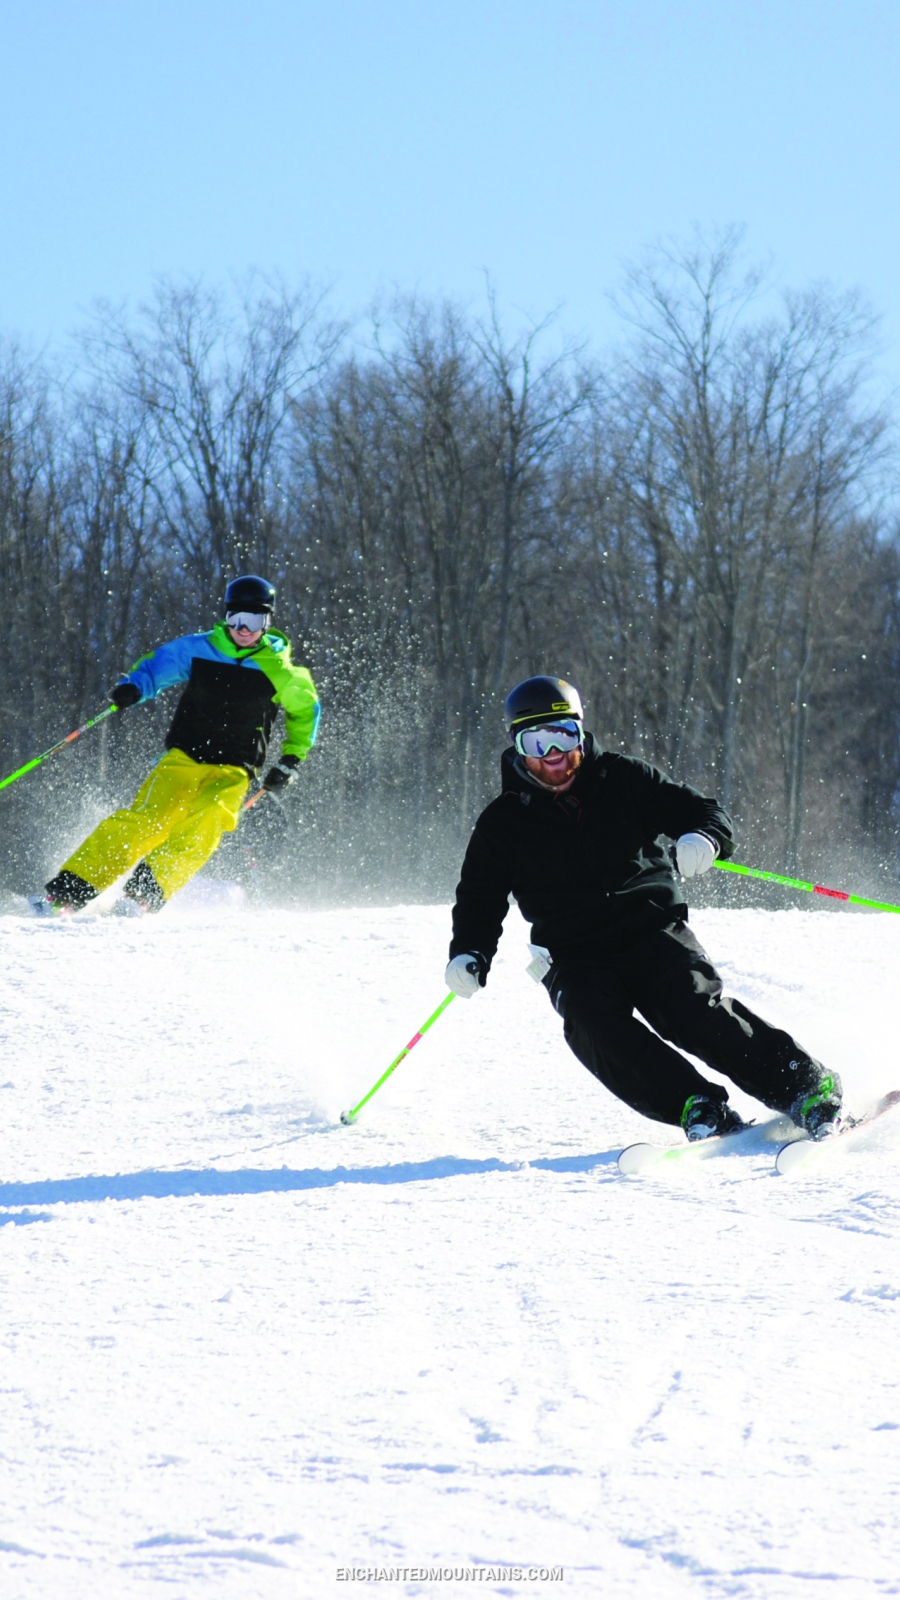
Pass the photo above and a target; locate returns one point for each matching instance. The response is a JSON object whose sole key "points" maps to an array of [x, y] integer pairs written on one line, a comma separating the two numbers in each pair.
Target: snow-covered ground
{"points": [[244, 1347]]}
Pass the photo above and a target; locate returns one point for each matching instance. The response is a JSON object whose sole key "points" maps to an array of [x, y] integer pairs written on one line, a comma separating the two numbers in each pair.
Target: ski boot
{"points": [[141, 894], [819, 1112], [126, 907], [43, 905], [705, 1118], [62, 895]]}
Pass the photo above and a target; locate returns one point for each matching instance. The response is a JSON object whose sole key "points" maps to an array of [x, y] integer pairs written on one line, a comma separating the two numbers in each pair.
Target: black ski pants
{"points": [[670, 980]]}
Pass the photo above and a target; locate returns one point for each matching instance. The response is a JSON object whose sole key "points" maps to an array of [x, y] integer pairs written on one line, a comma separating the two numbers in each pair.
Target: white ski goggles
{"points": [[538, 742], [254, 620]]}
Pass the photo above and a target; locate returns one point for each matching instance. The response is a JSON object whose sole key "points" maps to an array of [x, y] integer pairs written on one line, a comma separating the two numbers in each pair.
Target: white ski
{"points": [[801, 1155], [638, 1158]]}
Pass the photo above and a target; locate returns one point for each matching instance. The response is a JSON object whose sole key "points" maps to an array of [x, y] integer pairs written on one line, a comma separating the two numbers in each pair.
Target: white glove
{"points": [[462, 975], [695, 854]]}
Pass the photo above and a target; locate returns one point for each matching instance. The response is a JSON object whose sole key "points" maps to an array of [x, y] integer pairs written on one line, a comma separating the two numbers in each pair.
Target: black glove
{"points": [[125, 695], [283, 773]]}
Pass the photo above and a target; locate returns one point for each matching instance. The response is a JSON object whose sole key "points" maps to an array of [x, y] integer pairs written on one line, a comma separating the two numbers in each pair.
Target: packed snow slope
{"points": [[245, 1347]]}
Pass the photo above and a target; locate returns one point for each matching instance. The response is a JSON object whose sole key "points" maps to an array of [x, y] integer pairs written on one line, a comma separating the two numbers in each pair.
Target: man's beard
{"points": [[565, 776]]}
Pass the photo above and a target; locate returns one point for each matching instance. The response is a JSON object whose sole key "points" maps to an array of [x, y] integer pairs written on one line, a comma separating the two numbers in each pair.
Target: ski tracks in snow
{"points": [[244, 1346]]}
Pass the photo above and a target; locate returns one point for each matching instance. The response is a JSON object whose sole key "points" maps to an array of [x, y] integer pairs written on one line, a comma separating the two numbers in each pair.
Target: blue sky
{"points": [[374, 144]]}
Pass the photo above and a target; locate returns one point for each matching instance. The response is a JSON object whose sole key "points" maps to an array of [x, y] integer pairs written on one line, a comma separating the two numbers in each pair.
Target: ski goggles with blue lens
{"points": [[538, 742]]}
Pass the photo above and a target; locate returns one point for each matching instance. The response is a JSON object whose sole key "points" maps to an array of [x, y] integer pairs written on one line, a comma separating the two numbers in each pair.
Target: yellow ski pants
{"points": [[174, 822]]}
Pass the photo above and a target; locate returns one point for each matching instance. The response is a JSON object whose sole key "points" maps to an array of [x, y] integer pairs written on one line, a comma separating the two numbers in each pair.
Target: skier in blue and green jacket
{"points": [[237, 678]]}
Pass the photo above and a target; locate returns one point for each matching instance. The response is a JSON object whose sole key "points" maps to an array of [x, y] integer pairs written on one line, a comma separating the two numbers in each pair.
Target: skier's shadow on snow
{"points": [[210, 1181]]}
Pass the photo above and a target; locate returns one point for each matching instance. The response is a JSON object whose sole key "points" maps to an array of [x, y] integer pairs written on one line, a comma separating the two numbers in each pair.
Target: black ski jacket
{"points": [[588, 868]]}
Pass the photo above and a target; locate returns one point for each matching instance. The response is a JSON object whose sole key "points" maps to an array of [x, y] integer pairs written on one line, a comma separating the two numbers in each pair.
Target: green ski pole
{"points": [[350, 1116], [70, 737], [810, 888]]}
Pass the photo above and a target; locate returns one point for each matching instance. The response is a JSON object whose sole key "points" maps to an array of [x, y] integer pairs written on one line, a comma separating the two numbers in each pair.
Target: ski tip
{"points": [[636, 1158], [791, 1157]]}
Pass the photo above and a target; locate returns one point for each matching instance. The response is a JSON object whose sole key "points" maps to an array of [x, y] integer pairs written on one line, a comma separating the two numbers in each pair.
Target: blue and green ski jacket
{"points": [[233, 696]]}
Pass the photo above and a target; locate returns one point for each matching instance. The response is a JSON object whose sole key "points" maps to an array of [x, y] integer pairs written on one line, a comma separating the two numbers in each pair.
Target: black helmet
{"points": [[540, 700], [249, 594]]}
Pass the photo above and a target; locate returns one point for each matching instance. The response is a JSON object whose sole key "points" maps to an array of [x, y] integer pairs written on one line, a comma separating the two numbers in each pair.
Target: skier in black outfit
{"points": [[575, 836]]}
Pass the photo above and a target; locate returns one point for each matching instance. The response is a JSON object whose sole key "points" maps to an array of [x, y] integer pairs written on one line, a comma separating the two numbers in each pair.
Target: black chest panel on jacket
{"points": [[589, 869], [582, 862], [225, 715]]}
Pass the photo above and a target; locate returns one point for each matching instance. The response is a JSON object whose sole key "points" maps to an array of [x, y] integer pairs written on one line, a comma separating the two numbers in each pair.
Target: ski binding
{"points": [[639, 1158], [804, 1153]]}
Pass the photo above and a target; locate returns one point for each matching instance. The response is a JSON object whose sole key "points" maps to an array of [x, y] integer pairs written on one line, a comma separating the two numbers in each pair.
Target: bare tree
{"points": [[215, 388], [762, 446], [692, 533]]}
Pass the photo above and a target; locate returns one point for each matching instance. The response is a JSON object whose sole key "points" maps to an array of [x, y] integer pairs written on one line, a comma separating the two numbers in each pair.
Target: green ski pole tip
{"points": [[347, 1118]]}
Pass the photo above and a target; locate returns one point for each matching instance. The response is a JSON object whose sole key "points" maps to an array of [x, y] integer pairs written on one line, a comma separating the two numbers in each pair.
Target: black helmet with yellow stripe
{"points": [[538, 701]]}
